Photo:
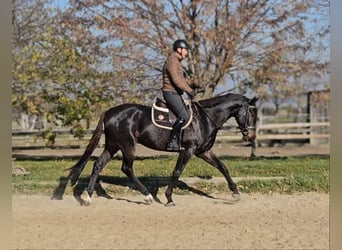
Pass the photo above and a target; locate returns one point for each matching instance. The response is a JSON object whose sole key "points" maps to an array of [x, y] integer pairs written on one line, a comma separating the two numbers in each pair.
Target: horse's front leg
{"points": [[212, 159], [183, 158]]}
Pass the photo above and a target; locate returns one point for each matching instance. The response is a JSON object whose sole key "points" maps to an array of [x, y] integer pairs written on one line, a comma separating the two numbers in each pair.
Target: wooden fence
{"points": [[299, 132], [304, 132]]}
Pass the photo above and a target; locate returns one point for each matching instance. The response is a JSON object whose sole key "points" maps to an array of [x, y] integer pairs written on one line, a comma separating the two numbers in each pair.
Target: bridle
{"points": [[246, 128]]}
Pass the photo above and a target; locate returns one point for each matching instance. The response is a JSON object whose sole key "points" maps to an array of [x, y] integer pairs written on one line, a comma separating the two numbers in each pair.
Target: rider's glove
{"points": [[192, 94]]}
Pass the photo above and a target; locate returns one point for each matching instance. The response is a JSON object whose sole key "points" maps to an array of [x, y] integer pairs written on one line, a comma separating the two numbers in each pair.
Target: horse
{"points": [[127, 124]]}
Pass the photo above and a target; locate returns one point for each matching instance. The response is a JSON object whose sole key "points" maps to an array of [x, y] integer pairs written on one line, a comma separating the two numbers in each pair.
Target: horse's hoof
{"points": [[85, 199], [85, 203], [170, 204], [148, 199], [236, 197]]}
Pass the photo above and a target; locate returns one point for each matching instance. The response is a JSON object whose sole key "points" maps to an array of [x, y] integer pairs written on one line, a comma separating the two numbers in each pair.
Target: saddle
{"points": [[163, 117]]}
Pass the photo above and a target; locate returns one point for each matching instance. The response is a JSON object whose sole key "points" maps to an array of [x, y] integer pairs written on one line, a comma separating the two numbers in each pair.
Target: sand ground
{"points": [[257, 221]]}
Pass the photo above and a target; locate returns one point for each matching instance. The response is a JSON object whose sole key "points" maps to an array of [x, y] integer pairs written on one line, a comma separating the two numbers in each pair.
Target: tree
{"points": [[72, 62], [229, 39], [51, 76], [279, 73]]}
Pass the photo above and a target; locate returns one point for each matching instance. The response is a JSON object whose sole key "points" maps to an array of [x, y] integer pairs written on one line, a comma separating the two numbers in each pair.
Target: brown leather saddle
{"points": [[163, 117]]}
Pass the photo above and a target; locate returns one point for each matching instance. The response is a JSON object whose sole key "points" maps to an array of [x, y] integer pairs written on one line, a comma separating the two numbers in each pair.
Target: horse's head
{"points": [[246, 119]]}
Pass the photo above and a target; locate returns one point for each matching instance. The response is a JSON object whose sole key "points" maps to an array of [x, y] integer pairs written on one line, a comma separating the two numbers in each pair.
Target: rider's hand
{"points": [[193, 85], [192, 94]]}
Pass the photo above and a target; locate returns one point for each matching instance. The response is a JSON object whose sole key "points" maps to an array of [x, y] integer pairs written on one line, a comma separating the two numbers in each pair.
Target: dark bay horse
{"points": [[128, 124]]}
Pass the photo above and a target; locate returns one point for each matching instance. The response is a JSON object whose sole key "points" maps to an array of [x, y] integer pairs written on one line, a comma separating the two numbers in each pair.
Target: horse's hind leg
{"points": [[99, 164], [127, 168]]}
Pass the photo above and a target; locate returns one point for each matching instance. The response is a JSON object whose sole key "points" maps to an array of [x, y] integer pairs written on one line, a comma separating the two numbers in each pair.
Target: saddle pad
{"points": [[164, 118]]}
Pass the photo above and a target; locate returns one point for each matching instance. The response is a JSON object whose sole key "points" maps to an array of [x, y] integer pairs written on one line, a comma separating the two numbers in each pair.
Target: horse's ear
{"points": [[253, 101]]}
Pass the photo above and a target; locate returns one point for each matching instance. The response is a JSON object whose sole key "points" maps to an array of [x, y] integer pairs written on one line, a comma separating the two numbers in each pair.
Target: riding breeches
{"points": [[176, 104]]}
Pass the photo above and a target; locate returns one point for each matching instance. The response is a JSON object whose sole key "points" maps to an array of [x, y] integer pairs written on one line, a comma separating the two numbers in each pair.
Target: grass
{"points": [[299, 174]]}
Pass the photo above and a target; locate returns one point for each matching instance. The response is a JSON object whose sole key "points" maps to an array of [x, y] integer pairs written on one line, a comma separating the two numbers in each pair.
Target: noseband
{"points": [[245, 129]]}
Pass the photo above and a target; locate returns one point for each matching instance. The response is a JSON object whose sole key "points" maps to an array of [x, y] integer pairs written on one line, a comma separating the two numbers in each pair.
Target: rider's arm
{"points": [[175, 70]]}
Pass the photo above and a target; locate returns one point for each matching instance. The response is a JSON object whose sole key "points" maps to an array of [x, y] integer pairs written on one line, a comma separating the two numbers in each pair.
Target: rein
{"points": [[207, 114]]}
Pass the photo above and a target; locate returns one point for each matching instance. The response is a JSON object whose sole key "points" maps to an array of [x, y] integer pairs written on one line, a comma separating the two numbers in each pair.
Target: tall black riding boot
{"points": [[174, 141]]}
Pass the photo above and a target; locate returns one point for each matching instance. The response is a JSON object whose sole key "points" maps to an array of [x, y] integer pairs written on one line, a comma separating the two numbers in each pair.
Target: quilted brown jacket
{"points": [[173, 78]]}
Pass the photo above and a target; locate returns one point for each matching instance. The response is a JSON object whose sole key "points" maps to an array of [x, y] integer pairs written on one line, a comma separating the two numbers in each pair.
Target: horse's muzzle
{"points": [[249, 134]]}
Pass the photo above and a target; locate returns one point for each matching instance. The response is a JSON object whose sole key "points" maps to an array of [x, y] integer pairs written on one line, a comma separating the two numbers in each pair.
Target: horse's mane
{"points": [[218, 100]]}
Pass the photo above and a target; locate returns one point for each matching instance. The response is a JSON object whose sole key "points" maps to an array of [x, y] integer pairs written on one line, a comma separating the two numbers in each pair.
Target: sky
{"points": [[60, 3]]}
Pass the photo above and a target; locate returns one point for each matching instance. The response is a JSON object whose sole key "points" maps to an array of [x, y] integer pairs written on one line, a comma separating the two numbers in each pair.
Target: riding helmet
{"points": [[180, 43]]}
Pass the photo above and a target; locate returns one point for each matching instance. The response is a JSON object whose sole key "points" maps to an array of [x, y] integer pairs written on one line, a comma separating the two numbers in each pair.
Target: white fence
{"points": [[266, 134], [315, 133]]}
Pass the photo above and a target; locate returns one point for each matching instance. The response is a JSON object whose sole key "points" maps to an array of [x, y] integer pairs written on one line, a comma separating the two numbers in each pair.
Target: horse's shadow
{"points": [[153, 184]]}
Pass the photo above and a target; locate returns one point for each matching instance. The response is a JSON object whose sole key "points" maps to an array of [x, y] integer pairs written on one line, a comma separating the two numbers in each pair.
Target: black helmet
{"points": [[180, 44]]}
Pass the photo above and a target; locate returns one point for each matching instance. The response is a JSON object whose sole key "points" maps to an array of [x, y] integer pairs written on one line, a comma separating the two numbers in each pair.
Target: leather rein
{"points": [[244, 129]]}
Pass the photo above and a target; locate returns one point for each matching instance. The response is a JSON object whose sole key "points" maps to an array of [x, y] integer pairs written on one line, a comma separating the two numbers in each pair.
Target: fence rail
{"points": [[317, 132], [314, 133], [293, 125]]}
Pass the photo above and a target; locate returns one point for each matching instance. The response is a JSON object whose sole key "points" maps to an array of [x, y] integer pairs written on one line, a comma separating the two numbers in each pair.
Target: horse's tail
{"points": [[76, 170]]}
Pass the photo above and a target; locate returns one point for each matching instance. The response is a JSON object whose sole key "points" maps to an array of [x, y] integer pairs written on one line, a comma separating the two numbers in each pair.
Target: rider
{"points": [[174, 85]]}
